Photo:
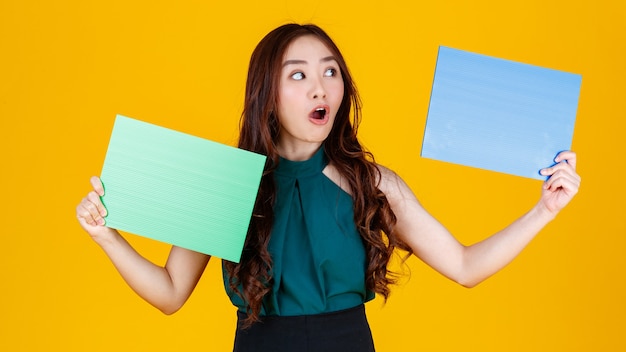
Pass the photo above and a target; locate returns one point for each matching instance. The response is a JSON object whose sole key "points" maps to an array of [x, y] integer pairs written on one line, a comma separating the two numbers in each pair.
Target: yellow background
{"points": [[66, 69]]}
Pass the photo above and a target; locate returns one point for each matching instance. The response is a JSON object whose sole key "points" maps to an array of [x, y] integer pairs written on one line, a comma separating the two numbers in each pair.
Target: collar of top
{"points": [[312, 166]]}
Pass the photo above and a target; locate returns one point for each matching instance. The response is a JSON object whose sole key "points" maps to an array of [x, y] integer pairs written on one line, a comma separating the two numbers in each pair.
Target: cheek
{"points": [[289, 91], [285, 97], [338, 94]]}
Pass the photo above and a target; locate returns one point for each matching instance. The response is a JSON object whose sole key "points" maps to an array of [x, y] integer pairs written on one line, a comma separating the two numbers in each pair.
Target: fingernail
{"points": [[101, 221]]}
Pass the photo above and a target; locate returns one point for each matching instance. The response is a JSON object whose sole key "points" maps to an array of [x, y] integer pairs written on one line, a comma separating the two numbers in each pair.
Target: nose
{"points": [[318, 90]]}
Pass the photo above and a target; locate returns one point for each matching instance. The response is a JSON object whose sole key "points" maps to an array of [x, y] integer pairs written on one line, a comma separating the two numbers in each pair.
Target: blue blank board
{"points": [[499, 115]]}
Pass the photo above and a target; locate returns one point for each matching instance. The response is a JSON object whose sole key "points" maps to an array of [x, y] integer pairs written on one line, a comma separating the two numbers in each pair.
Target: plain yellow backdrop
{"points": [[66, 69]]}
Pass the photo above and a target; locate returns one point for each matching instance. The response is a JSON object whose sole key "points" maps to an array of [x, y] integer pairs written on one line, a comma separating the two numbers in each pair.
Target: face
{"points": [[310, 93]]}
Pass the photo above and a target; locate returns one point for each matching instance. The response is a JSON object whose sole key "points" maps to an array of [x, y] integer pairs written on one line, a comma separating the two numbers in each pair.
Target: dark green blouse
{"points": [[318, 256]]}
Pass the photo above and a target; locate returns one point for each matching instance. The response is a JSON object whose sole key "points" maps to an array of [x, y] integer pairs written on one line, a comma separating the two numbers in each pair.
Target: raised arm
{"points": [[470, 265], [167, 288]]}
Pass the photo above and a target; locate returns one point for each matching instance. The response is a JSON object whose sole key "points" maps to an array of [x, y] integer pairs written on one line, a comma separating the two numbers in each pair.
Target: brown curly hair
{"points": [[259, 128]]}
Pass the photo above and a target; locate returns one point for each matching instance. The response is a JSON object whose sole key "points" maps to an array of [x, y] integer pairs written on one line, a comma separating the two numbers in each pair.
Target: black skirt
{"points": [[341, 331]]}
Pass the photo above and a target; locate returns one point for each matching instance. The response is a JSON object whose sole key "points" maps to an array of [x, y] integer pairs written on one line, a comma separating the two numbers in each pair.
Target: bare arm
{"points": [[167, 288], [470, 265]]}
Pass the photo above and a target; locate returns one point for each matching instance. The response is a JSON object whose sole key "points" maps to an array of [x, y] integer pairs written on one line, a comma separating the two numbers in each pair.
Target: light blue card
{"points": [[498, 114]]}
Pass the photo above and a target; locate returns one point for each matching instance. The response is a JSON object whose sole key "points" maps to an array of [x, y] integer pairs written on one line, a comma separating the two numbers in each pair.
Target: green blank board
{"points": [[179, 189]]}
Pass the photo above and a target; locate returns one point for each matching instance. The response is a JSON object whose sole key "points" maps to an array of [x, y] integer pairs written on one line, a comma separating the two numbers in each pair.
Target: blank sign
{"points": [[499, 115], [179, 189]]}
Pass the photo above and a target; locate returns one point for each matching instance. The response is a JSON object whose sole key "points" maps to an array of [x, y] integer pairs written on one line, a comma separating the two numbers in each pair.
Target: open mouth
{"points": [[319, 113]]}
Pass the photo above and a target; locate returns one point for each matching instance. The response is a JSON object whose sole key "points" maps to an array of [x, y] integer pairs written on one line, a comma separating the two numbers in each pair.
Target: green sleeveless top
{"points": [[319, 259]]}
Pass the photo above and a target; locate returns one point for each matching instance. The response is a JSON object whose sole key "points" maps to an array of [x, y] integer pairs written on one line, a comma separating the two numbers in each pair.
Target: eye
{"points": [[297, 76], [331, 72]]}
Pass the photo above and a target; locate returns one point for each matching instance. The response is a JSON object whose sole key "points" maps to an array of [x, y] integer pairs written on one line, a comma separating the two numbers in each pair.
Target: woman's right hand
{"points": [[166, 288], [91, 212]]}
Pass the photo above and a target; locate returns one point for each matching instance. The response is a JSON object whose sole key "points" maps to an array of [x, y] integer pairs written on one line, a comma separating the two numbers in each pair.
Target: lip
{"points": [[323, 120]]}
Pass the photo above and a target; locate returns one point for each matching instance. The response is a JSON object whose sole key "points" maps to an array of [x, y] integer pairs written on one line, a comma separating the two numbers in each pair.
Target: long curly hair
{"points": [[259, 128]]}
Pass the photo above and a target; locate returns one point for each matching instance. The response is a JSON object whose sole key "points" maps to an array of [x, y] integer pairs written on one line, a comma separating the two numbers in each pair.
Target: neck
{"points": [[298, 153]]}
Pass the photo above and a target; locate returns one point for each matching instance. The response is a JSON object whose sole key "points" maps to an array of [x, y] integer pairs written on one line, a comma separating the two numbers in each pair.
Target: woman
{"points": [[327, 218]]}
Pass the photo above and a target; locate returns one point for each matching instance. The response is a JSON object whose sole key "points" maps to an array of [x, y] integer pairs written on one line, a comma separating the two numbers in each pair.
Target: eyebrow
{"points": [[300, 62]]}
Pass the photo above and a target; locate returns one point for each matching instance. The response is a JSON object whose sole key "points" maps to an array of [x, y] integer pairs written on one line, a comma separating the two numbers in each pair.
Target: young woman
{"points": [[327, 217]]}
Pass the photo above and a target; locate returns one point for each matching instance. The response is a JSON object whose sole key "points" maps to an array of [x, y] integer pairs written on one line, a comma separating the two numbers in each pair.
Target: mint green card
{"points": [[179, 189]]}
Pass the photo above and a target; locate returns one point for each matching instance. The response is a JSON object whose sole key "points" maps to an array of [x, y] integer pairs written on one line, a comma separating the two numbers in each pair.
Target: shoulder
{"points": [[398, 193], [390, 182], [333, 174]]}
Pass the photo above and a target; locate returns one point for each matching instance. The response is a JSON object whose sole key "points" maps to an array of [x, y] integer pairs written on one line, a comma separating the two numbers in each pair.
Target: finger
{"points": [[563, 183], [567, 170], [89, 210], [84, 215], [96, 183], [561, 165], [94, 198], [563, 177], [567, 156]]}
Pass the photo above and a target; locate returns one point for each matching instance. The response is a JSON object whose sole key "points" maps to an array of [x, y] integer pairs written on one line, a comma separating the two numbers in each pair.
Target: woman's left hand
{"points": [[562, 184]]}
